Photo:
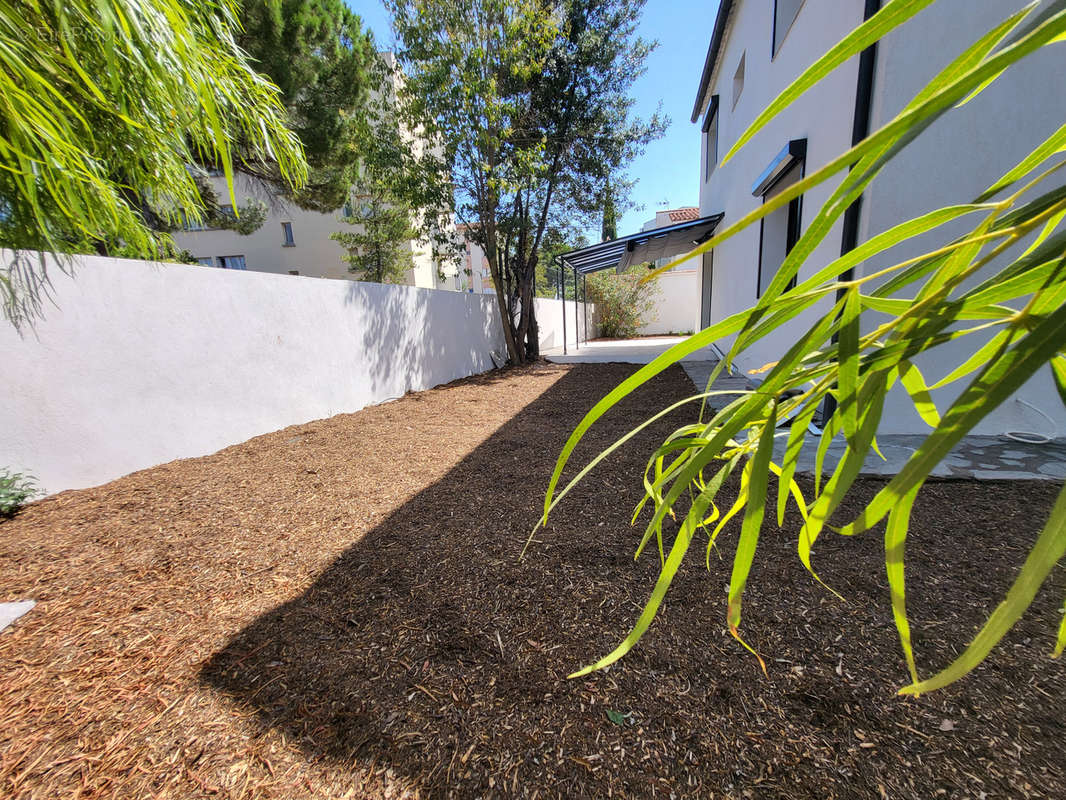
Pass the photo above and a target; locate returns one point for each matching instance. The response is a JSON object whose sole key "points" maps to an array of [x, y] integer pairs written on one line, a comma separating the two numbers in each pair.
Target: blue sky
{"points": [[667, 174]]}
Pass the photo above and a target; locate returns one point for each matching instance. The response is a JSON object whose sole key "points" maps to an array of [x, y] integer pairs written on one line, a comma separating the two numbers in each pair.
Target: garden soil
{"points": [[337, 610]]}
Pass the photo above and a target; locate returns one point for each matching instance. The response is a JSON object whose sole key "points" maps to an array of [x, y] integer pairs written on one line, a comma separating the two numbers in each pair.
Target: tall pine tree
{"points": [[609, 228], [322, 60]]}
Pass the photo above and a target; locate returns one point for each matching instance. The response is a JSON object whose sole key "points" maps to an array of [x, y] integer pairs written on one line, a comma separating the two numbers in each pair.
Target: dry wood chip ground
{"points": [[335, 610]]}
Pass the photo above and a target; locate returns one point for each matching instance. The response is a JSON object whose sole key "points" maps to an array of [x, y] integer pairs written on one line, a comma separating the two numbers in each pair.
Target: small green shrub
{"points": [[15, 490], [622, 301]]}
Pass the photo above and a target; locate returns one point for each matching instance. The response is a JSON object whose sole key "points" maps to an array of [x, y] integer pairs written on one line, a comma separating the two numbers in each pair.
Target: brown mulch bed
{"points": [[335, 610]]}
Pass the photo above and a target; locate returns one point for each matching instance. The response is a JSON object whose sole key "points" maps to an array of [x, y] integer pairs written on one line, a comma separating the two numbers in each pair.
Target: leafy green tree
{"points": [[391, 208], [558, 239], [99, 97], [380, 251], [526, 102], [327, 70], [1004, 279]]}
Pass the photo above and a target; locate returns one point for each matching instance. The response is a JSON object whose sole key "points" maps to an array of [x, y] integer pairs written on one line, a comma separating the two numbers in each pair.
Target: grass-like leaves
{"points": [[982, 284], [105, 104]]}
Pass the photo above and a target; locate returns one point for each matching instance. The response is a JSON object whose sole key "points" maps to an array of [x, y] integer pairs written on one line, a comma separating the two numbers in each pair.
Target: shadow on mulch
{"points": [[429, 659]]}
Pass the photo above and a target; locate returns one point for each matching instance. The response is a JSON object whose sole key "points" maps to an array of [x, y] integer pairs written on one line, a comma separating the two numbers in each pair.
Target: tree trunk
{"points": [[525, 297], [514, 354], [527, 330], [534, 333]]}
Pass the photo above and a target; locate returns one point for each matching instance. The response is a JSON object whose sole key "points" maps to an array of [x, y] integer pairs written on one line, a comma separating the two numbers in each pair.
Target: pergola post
{"points": [[577, 335], [585, 302], [562, 298]]}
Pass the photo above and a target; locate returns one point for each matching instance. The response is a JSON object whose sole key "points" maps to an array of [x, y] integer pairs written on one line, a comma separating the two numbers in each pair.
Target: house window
{"points": [[785, 13], [294, 272], [780, 230], [710, 131], [206, 262], [286, 229], [190, 224], [738, 80], [707, 266], [232, 262]]}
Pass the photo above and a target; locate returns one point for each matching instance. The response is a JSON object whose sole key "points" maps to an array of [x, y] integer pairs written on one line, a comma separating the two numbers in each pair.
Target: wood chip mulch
{"points": [[335, 610]]}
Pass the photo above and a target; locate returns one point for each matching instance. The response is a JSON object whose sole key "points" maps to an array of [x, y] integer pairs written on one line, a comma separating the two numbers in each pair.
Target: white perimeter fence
{"points": [[136, 363]]}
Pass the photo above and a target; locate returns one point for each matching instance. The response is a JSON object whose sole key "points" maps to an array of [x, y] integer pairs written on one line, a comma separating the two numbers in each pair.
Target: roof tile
{"points": [[684, 214]]}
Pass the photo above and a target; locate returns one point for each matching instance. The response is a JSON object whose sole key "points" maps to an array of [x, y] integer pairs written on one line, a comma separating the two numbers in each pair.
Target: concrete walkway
{"points": [[975, 458], [627, 351]]}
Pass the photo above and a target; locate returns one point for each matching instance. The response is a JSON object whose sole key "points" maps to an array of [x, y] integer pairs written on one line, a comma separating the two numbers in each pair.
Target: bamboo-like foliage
{"points": [[985, 282], [104, 105]]}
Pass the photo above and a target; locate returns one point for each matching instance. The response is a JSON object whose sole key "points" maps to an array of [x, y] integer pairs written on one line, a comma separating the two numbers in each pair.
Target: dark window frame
{"points": [[792, 228], [225, 261], [775, 47], [288, 239], [707, 289], [711, 120]]}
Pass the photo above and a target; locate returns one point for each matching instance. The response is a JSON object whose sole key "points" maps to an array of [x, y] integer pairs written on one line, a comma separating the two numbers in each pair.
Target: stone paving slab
{"points": [[9, 612], [985, 458], [980, 458]]}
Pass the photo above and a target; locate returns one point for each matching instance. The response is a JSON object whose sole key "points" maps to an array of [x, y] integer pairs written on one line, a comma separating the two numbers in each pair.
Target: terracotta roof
{"points": [[684, 214]]}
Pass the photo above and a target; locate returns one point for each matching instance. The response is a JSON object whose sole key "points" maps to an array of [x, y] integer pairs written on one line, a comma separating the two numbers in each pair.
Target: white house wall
{"points": [[952, 162], [139, 363], [823, 117], [476, 266]]}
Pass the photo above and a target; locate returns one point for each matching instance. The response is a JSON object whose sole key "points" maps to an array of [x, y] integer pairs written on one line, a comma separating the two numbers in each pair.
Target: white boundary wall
{"points": [[550, 322], [677, 303], [139, 363]]}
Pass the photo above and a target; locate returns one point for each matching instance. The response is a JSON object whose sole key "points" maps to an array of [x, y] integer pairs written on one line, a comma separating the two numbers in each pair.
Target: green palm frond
{"points": [[979, 285]]}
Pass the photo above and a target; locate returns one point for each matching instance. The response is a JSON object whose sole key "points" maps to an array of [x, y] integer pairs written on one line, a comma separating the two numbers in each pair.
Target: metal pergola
{"points": [[622, 253]]}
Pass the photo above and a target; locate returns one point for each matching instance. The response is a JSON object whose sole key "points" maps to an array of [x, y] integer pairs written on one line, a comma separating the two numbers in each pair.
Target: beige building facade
{"points": [[296, 242]]}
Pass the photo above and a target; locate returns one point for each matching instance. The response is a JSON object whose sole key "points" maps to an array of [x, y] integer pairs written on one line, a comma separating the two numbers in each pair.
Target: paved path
{"points": [[983, 458], [625, 351], [975, 458]]}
